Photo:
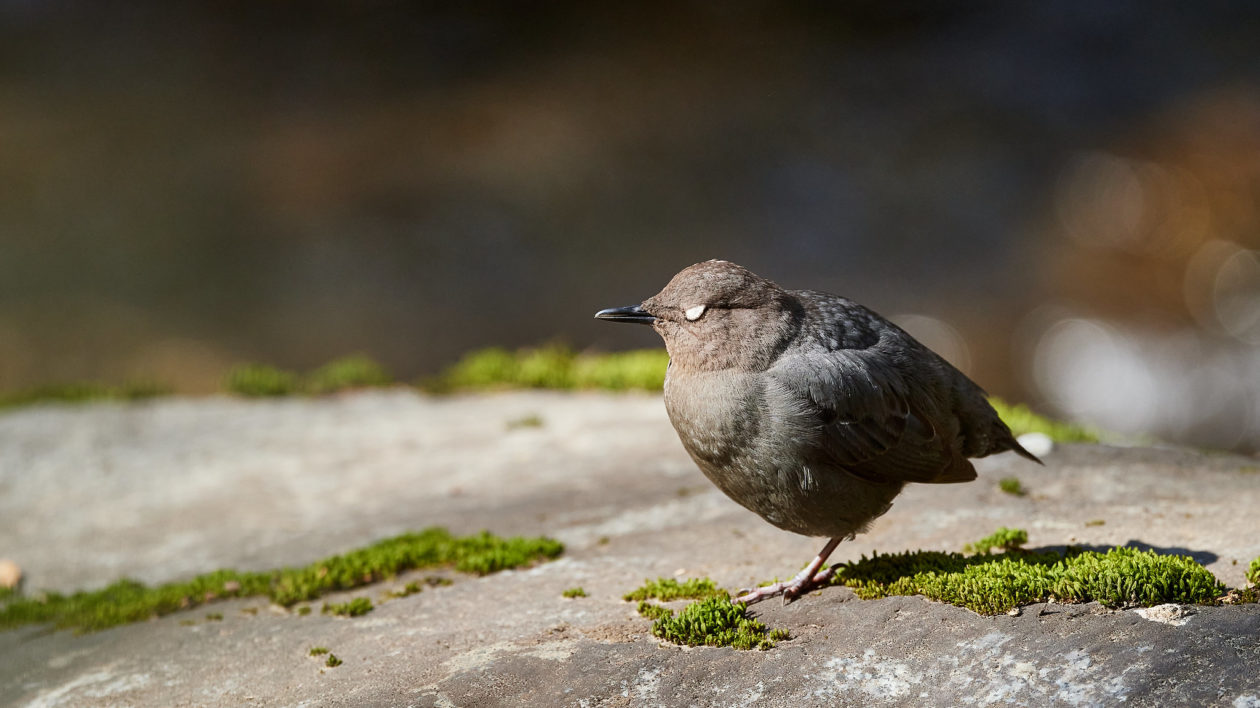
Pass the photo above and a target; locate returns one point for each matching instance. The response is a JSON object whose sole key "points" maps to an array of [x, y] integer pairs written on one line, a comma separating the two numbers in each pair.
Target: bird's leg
{"points": [[805, 581]]}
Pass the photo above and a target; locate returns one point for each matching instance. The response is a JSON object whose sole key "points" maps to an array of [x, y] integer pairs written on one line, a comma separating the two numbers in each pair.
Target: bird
{"points": [[807, 408]]}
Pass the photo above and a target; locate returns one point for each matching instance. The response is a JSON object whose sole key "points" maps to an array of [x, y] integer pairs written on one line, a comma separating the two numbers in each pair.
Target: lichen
{"points": [[129, 601]]}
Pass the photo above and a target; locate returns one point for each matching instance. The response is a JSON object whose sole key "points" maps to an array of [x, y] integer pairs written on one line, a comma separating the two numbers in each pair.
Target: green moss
{"points": [[527, 421], [653, 611], [639, 370], [214, 617], [554, 367], [988, 584], [332, 662], [261, 380], [407, 590], [129, 601], [354, 608], [1096, 522], [716, 622], [350, 372], [1253, 572], [1004, 538], [1020, 419], [318, 651], [82, 392], [1011, 485], [304, 610], [575, 592], [666, 589]]}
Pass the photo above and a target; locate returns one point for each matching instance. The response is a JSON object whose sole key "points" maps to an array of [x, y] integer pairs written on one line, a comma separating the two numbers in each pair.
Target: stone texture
{"points": [[163, 490]]}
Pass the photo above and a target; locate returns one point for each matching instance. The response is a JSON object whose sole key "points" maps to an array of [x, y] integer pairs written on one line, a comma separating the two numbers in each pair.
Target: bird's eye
{"points": [[693, 313]]}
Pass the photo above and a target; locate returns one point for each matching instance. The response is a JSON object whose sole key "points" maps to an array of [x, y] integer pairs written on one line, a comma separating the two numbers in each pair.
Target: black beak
{"points": [[633, 313]]}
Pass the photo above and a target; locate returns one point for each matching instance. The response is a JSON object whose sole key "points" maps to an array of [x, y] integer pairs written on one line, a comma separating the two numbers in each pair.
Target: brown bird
{"points": [[807, 408]]}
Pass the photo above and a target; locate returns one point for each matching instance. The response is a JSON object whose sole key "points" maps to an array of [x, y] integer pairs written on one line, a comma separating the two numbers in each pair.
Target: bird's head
{"points": [[717, 315]]}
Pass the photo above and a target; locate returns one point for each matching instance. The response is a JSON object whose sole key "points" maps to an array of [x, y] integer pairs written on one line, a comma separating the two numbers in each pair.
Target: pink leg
{"points": [[805, 581]]}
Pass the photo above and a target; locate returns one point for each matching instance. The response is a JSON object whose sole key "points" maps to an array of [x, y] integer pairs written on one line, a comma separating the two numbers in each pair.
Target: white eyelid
{"points": [[693, 313]]}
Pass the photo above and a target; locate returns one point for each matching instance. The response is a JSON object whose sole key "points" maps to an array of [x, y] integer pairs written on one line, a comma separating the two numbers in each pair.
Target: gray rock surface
{"points": [[163, 490]]}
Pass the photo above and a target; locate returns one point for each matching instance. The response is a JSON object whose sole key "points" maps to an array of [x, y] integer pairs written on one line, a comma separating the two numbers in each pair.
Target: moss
{"points": [[407, 590], [332, 662], [1020, 419], [318, 651], [129, 601], [713, 620], [653, 611], [554, 367], [1253, 572], [261, 380], [666, 589], [350, 372], [527, 421], [1004, 538], [83, 392], [354, 608], [716, 622], [575, 592], [1011, 485], [436, 581], [987, 584], [214, 617], [1095, 522], [304, 610]]}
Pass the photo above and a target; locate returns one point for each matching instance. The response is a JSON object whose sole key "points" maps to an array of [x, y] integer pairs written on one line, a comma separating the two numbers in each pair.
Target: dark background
{"points": [[1063, 197]]}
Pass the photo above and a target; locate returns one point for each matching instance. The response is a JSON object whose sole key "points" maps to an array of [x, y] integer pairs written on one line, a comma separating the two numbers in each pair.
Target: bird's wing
{"points": [[867, 424]]}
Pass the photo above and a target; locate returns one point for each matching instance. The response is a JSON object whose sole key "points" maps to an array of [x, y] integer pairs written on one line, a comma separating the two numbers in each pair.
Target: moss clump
{"points": [[83, 392], [575, 592], [261, 380], [1012, 485], [986, 584], [1253, 572], [1004, 538], [129, 601], [666, 589], [1020, 419], [350, 372], [354, 608], [653, 611], [716, 622], [526, 421], [554, 367], [713, 620], [318, 651], [407, 590], [332, 662]]}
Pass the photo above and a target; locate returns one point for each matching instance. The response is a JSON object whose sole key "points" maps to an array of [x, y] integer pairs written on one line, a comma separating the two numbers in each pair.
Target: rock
{"points": [[305, 478]]}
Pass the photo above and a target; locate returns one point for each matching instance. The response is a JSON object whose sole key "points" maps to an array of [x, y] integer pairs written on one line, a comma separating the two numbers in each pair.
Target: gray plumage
{"points": [[808, 408]]}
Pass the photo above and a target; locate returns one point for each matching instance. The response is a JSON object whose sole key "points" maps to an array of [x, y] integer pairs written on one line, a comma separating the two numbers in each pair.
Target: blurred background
{"points": [[1062, 198]]}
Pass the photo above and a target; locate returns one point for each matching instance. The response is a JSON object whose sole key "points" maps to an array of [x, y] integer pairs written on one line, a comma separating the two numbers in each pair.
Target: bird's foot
{"points": [[805, 582]]}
